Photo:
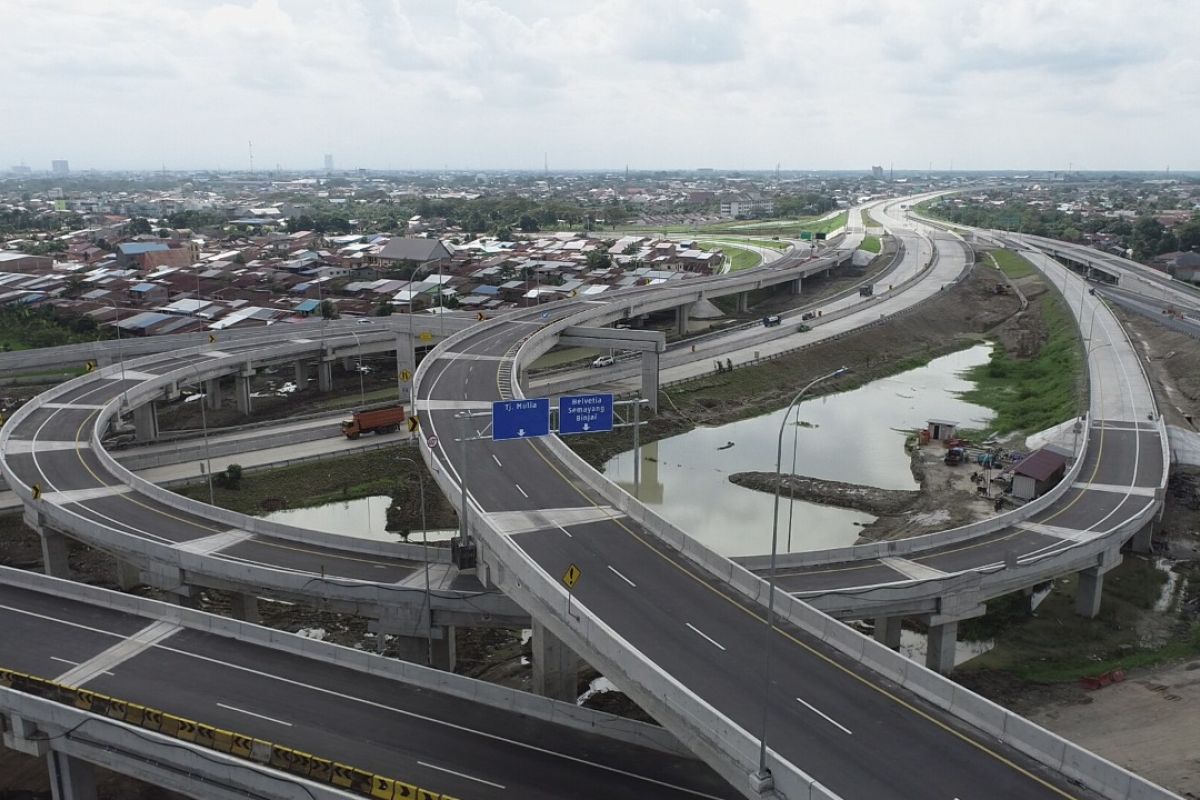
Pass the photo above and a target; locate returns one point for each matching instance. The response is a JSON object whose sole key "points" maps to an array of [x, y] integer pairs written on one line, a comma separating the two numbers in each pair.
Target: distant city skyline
{"points": [[655, 84]]}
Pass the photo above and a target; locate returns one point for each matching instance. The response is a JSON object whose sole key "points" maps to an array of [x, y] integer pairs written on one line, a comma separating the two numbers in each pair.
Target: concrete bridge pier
{"points": [[1091, 584], [650, 378], [796, 287], [55, 551], [681, 319], [301, 374], [404, 362], [325, 375], [242, 388], [244, 607], [743, 302], [212, 394], [887, 631], [1143, 540], [416, 648], [145, 422], [70, 777], [348, 363], [943, 634], [128, 575], [555, 666]]}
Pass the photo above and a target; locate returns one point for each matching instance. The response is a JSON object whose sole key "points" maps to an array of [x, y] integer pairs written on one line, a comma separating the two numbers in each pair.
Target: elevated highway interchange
{"points": [[679, 629]]}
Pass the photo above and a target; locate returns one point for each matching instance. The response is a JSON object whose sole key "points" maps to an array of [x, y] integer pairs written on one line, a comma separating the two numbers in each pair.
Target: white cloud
{"points": [[670, 83]]}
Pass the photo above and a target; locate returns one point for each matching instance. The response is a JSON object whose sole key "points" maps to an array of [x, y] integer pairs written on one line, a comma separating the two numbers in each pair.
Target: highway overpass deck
{"points": [[440, 741]]}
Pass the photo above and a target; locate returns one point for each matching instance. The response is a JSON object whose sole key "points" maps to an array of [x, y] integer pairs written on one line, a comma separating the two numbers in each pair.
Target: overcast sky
{"points": [[477, 84]]}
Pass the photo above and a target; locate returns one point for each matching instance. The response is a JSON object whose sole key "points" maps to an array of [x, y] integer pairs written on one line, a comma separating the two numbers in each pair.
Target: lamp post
{"points": [[362, 392], [764, 774], [204, 429], [425, 556]]}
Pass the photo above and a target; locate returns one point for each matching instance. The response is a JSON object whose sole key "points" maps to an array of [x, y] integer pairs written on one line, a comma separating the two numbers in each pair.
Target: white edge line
{"points": [[522, 491], [711, 640], [825, 716], [461, 775], [252, 714]]}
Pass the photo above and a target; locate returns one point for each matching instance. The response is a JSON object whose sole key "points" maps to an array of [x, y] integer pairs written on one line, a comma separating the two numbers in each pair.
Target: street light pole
{"points": [[764, 774], [362, 392], [425, 555], [204, 429]]}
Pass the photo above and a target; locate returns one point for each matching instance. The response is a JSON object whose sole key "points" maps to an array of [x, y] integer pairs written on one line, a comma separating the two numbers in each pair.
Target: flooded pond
{"points": [[856, 436], [365, 518]]}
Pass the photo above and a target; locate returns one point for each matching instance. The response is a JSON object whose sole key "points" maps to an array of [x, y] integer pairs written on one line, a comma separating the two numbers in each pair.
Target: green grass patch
{"points": [[773, 244], [868, 220], [1056, 645], [312, 484], [1032, 394], [871, 244], [316, 483], [1013, 265], [740, 258]]}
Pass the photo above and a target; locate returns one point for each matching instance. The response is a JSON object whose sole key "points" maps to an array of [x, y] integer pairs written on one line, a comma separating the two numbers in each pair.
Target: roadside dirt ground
{"points": [[1149, 724]]}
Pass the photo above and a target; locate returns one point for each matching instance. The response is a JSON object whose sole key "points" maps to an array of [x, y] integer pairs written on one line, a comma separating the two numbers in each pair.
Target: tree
{"points": [[1188, 234], [599, 259], [385, 308], [503, 233], [163, 233], [303, 222], [139, 226], [329, 310], [528, 224]]}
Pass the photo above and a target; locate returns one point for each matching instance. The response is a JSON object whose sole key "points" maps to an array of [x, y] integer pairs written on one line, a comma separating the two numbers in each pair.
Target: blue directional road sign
{"points": [[520, 419], [585, 413]]}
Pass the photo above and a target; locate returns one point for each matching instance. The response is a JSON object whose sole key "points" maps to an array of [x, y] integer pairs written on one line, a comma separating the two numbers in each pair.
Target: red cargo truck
{"points": [[381, 420]]}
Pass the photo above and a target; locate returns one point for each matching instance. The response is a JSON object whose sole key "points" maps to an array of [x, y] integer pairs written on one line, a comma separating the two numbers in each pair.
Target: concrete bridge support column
{"points": [[244, 607], [887, 631], [1143, 540], [796, 287], [128, 576], [242, 392], [301, 374], [681, 319], [404, 363], [1091, 585], [943, 632], [416, 648], [1089, 592], [555, 666], [650, 378], [939, 655], [212, 393], [348, 363], [743, 302], [70, 778], [145, 422], [324, 375], [55, 550], [242, 388]]}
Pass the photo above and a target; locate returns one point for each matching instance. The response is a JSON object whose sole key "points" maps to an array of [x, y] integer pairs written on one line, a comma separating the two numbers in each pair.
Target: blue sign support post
{"points": [[585, 413], [520, 419]]}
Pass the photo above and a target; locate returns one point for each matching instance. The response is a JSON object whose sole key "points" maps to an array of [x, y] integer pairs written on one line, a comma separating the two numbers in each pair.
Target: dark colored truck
{"points": [[381, 420], [771, 321], [866, 291]]}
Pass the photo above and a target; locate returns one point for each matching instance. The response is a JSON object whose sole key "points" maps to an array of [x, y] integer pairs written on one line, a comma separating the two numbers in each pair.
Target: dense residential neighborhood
{"points": [[181, 253]]}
